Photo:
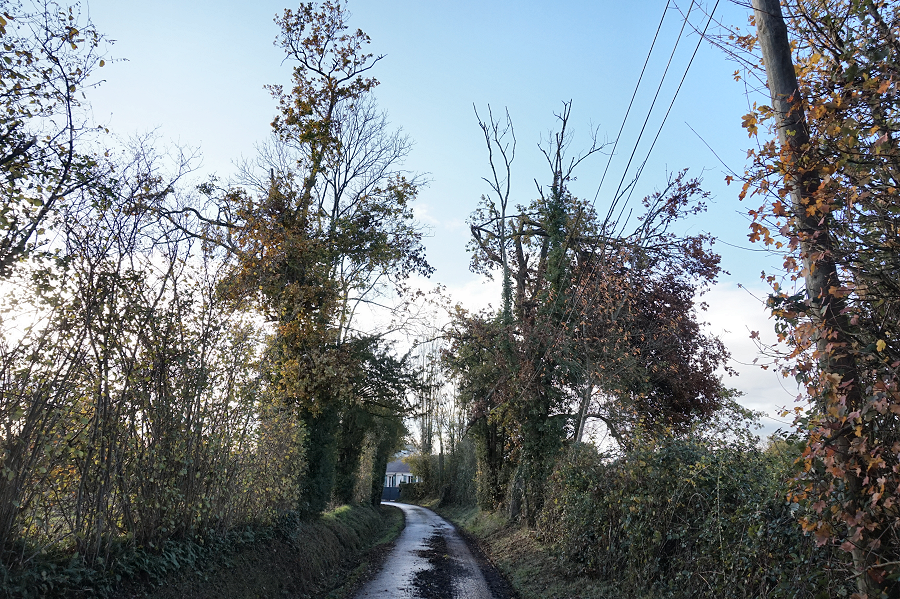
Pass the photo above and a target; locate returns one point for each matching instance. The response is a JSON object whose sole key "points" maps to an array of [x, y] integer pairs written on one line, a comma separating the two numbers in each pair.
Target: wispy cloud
{"points": [[422, 213], [733, 315]]}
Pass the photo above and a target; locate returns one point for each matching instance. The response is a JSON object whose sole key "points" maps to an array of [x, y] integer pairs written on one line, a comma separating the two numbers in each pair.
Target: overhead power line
{"points": [[675, 95], [615, 198], [570, 310], [662, 80], [633, 96]]}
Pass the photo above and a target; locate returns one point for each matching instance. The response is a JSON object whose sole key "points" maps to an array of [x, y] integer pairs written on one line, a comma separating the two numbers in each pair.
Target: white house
{"points": [[397, 472]]}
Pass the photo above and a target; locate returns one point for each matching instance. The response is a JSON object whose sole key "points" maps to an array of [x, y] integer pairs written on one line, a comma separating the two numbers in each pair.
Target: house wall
{"points": [[395, 478], [392, 482]]}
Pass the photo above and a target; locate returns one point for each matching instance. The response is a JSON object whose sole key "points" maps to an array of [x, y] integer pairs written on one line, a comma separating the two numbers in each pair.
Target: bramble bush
{"points": [[688, 517]]}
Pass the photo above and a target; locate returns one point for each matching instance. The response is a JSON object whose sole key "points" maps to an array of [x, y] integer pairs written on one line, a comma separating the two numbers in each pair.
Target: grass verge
{"points": [[525, 563], [324, 557]]}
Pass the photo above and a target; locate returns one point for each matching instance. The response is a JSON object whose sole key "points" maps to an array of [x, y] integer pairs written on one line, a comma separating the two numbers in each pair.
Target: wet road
{"points": [[429, 561]]}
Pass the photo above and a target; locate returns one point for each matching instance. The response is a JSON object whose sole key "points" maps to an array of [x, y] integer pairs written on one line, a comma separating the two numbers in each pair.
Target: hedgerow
{"points": [[688, 517]]}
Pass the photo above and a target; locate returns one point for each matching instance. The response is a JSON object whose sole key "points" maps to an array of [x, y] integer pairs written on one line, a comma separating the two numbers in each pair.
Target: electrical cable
{"points": [[616, 196], [631, 186], [653, 103], [678, 89], [631, 102]]}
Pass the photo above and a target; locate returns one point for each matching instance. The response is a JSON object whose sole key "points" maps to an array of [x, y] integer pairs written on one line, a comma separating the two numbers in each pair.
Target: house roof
{"points": [[398, 467]]}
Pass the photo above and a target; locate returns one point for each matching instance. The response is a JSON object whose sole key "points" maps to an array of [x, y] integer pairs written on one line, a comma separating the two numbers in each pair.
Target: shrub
{"points": [[413, 491], [686, 517]]}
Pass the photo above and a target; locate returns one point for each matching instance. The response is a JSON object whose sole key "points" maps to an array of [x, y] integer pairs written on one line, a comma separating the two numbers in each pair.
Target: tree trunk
{"points": [[819, 269]]}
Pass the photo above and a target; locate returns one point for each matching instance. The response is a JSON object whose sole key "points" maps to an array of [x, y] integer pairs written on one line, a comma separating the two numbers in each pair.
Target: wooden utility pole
{"points": [[803, 179], [819, 269]]}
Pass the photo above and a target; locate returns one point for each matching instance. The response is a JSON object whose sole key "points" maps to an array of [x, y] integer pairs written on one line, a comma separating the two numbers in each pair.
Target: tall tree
{"points": [[376, 404], [324, 226], [555, 341], [828, 188]]}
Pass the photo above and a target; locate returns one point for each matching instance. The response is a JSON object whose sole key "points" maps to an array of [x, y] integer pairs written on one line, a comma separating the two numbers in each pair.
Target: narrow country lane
{"points": [[429, 561]]}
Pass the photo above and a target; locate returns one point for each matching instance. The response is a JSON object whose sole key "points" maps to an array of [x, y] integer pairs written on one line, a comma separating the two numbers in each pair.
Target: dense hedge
{"points": [[687, 518], [314, 549]]}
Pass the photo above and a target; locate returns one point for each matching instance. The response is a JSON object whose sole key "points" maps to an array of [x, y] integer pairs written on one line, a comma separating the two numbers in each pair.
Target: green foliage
{"points": [[322, 544], [350, 450], [48, 53], [413, 492], [451, 477], [425, 468], [325, 225], [597, 322], [149, 416], [318, 480], [375, 407], [687, 517], [387, 440], [58, 574], [461, 469]]}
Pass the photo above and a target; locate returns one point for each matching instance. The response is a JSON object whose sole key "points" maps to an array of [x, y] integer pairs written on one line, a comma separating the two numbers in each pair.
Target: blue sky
{"points": [[194, 72]]}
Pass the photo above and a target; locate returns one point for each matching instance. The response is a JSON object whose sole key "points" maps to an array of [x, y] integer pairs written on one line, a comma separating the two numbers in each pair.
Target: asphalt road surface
{"points": [[429, 561]]}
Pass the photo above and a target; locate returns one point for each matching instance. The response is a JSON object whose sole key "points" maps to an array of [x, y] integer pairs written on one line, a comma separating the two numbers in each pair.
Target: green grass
{"points": [[521, 558], [325, 556], [373, 555]]}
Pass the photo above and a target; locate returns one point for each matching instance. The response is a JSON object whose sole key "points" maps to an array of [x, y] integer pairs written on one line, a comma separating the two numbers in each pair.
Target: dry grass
{"points": [[523, 560]]}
